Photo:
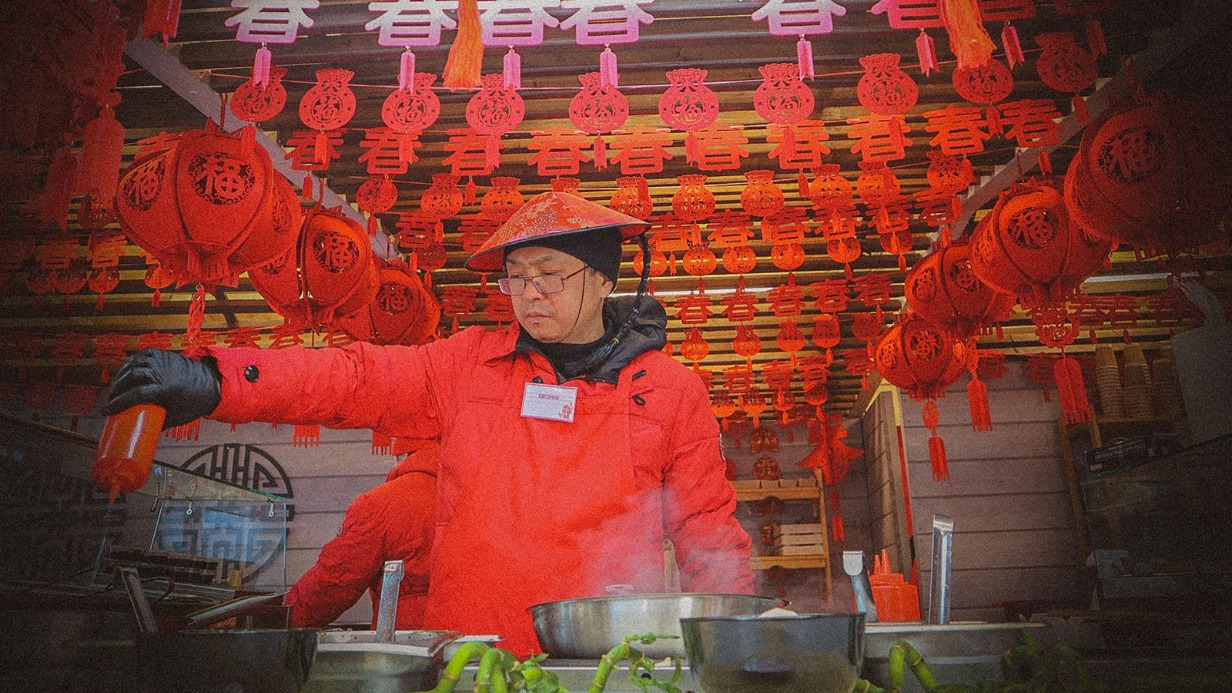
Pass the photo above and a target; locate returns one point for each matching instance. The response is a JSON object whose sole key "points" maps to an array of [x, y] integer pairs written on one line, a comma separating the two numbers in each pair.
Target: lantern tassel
{"points": [[927, 53], [306, 436], [406, 71], [977, 399], [321, 147], [382, 444], [465, 62], [600, 152], [936, 457], [837, 531], [102, 148], [1080, 109], [1095, 38], [1013, 48], [609, 71], [804, 58], [261, 66], [1044, 161], [157, 299], [969, 41], [1071, 390], [802, 185], [512, 69]]}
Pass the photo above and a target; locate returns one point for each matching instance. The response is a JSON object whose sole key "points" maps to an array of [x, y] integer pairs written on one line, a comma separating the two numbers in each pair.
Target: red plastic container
{"points": [[126, 449], [895, 598]]}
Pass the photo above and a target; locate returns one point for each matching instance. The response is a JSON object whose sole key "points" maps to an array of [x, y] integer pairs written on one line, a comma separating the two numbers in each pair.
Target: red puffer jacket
{"points": [[392, 521], [545, 510]]}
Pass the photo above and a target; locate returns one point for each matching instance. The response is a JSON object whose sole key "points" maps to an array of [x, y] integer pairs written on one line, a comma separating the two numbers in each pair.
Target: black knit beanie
{"points": [[598, 248]]}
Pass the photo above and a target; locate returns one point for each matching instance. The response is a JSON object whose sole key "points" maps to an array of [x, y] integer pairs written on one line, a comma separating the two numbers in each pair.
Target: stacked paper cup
{"points": [[1137, 384], [1108, 380], [1168, 402]]}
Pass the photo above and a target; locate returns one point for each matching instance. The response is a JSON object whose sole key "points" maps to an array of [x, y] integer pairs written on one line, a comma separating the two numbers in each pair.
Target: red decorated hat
{"points": [[547, 215]]}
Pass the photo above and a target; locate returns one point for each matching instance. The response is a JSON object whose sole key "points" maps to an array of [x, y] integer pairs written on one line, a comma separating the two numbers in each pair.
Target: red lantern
{"points": [[443, 199], [694, 347], [923, 359], [693, 201], [753, 403], [723, 406], [1029, 246], [658, 263], [208, 207], [884, 88], [739, 259], [1064, 65], [761, 197], [403, 311], [1149, 175], [942, 288], [782, 97], [329, 275], [632, 197], [503, 199]]}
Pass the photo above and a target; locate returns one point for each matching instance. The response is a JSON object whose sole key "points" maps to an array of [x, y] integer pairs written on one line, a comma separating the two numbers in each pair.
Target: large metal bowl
{"points": [[587, 628]]}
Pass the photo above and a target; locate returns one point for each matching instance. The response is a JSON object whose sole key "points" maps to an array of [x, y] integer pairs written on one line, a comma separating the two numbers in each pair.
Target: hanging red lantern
{"points": [[826, 333], [884, 88], [761, 197], [413, 108], [102, 281], [329, 275], [1029, 246], [984, 84], [694, 347], [739, 259], [924, 360], [503, 199], [632, 197], [830, 191], [693, 201], [443, 199], [1149, 174], [403, 311], [949, 174], [257, 103], [942, 288], [208, 207], [782, 97], [746, 343], [495, 109], [877, 185], [787, 256], [790, 339], [699, 261]]}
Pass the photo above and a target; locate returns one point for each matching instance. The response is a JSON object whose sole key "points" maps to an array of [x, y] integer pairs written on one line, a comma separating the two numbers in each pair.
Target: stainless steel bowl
{"points": [[811, 653], [587, 628]]}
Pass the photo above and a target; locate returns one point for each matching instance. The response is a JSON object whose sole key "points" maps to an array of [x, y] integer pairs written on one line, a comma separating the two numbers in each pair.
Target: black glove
{"points": [[187, 389]]}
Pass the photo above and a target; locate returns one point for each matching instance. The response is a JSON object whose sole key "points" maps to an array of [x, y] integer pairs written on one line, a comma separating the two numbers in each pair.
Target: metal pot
{"points": [[587, 628]]}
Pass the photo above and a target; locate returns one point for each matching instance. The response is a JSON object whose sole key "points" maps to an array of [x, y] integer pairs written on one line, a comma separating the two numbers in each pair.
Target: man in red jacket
{"points": [[571, 445], [392, 521]]}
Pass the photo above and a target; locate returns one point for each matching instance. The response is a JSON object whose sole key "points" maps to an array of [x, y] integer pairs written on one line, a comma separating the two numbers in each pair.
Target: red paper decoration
{"points": [[942, 288], [503, 199], [330, 103], [985, 84], [632, 197], [782, 97], [746, 343], [598, 108], [695, 347], [209, 207], [329, 275], [495, 109], [1148, 174], [877, 185], [403, 311], [830, 191], [1030, 247], [256, 103], [739, 259], [826, 333], [884, 88], [693, 201], [949, 174], [688, 104], [787, 256], [761, 197], [412, 109], [443, 199], [377, 194], [1064, 65], [699, 260]]}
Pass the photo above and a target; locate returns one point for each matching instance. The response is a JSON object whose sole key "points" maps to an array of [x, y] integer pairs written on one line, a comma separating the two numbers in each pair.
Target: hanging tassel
{"points": [[102, 147], [261, 67], [321, 148], [513, 69], [936, 446], [57, 194], [927, 53], [690, 147], [600, 153], [992, 118], [804, 58], [306, 191], [161, 17], [1080, 109], [157, 299], [1095, 38], [469, 191], [98, 308], [1013, 48], [977, 399], [802, 185], [837, 531], [1071, 389], [372, 225], [609, 73], [969, 41], [1044, 161], [406, 71], [465, 62], [306, 436], [382, 443], [491, 152]]}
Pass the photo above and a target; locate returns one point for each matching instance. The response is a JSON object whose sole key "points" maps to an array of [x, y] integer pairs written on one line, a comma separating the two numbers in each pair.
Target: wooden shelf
{"points": [[789, 562], [782, 493]]}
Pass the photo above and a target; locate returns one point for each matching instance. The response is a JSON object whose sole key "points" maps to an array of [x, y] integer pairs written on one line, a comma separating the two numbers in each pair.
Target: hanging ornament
{"points": [[157, 278], [943, 289], [329, 104], [495, 109], [503, 199], [723, 407], [1057, 327], [761, 197], [688, 104], [693, 201], [977, 397], [1066, 67], [877, 185], [790, 339], [403, 311], [209, 206], [412, 107], [746, 343], [984, 85], [841, 243], [782, 97], [787, 256], [566, 184], [949, 174], [257, 103], [884, 88], [753, 402], [102, 144], [969, 41], [1030, 247], [739, 259], [632, 197], [830, 191], [695, 347], [376, 195], [924, 360], [658, 263], [826, 333], [599, 108], [443, 199], [329, 275], [1149, 174], [464, 64]]}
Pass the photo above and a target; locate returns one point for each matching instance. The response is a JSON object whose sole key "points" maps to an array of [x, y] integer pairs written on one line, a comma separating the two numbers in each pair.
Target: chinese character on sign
{"points": [[470, 153], [387, 151], [475, 230], [799, 144], [880, 137], [958, 130], [598, 22], [693, 309], [271, 21], [416, 231], [411, 22], [306, 155], [668, 234], [641, 150], [729, 228], [741, 305], [800, 17], [515, 22], [786, 300], [776, 374], [785, 226], [831, 295], [719, 147], [559, 152], [1032, 122], [739, 379]]}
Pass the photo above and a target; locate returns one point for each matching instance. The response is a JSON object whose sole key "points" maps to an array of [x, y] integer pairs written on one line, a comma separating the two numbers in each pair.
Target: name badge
{"points": [[549, 402]]}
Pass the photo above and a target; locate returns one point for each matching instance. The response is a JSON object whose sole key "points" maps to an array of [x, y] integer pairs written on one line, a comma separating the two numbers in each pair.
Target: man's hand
{"points": [[187, 389]]}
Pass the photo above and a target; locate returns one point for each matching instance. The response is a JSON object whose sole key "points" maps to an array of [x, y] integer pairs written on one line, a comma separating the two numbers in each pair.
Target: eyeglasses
{"points": [[544, 283]]}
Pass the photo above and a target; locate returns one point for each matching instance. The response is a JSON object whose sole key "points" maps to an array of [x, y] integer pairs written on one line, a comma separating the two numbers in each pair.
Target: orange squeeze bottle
{"points": [[126, 449]]}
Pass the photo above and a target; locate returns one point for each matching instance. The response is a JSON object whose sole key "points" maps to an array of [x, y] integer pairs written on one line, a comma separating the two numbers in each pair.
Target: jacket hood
{"points": [[425, 460], [647, 332]]}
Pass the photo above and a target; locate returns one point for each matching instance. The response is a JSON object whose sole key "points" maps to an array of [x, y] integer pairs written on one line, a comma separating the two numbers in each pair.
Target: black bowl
{"points": [[813, 653]]}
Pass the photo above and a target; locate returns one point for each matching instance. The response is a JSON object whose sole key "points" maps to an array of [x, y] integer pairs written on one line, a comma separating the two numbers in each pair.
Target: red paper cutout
{"points": [[693, 201], [388, 152], [984, 84], [632, 197], [798, 145], [330, 103], [558, 152], [884, 88], [598, 108], [1064, 65], [761, 197], [641, 150], [717, 147], [782, 97], [958, 130], [412, 110], [495, 109], [688, 104], [257, 104], [879, 138]]}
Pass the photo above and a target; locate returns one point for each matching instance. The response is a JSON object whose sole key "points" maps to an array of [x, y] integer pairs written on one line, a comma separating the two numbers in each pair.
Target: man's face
{"points": [[572, 316]]}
